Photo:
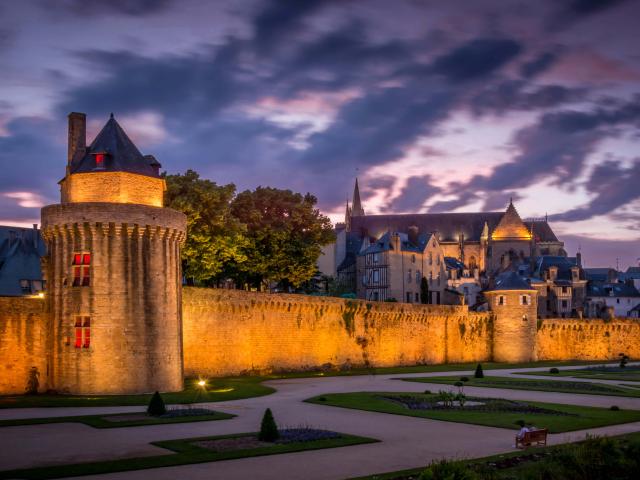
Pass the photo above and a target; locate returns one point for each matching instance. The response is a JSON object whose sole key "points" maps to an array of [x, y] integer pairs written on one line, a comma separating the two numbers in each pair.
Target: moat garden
{"points": [[421, 422]]}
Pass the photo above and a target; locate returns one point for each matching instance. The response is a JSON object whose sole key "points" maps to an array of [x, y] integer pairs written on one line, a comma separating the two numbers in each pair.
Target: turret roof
{"points": [[121, 153], [510, 281]]}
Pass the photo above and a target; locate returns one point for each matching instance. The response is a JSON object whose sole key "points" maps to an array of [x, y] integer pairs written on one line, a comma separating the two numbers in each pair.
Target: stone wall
{"points": [[22, 342], [589, 339], [227, 332], [116, 187]]}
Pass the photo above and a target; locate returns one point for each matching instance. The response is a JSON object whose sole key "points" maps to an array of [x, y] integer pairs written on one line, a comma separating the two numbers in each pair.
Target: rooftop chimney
{"points": [[77, 135]]}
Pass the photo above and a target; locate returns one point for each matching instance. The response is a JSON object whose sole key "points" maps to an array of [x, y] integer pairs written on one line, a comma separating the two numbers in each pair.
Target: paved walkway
{"points": [[407, 442]]}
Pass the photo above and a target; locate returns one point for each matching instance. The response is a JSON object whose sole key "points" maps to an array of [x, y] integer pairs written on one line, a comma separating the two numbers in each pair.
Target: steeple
{"points": [[356, 208]]}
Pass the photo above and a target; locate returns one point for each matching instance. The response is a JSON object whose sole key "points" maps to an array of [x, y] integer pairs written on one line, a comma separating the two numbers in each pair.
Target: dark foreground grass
{"points": [[101, 421], [235, 388], [573, 417], [530, 464], [217, 390], [515, 383], [184, 453]]}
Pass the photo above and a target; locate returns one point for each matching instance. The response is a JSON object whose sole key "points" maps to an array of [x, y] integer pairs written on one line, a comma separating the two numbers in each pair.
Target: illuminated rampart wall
{"points": [[227, 332], [22, 343]]}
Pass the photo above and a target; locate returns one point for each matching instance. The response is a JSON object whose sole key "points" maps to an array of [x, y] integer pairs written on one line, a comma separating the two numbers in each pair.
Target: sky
{"points": [[435, 106]]}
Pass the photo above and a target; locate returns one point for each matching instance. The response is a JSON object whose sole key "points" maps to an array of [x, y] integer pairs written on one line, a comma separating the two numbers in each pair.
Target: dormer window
{"points": [[100, 159]]}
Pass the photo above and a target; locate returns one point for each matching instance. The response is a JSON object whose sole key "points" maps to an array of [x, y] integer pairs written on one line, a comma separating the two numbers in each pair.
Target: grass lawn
{"points": [[534, 384], [628, 374], [102, 421], [430, 368], [217, 390], [572, 417], [184, 453], [234, 388], [506, 473]]}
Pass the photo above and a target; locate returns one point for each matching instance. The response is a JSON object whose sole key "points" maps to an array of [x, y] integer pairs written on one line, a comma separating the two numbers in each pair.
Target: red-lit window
{"points": [[99, 160], [81, 269], [82, 332]]}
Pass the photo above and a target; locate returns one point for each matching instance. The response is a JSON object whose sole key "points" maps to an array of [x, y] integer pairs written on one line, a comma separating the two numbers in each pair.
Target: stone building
{"points": [[112, 270], [491, 242], [393, 266]]}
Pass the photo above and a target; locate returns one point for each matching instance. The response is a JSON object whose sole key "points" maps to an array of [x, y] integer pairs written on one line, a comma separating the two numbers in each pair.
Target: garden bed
{"points": [[556, 418]]}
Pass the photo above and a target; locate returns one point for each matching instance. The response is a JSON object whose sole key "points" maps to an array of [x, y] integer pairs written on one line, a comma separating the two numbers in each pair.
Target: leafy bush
{"points": [[156, 406], [427, 392], [624, 359], [615, 408], [554, 370], [459, 384], [448, 470], [479, 373], [464, 379], [268, 428]]}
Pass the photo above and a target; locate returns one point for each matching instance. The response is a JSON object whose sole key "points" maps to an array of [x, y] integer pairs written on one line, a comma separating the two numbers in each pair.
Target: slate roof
{"points": [[20, 252], [122, 154], [448, 225], [599, 274], [602, 289], [384, 244], [564, 265], [452, 263], [632, 272], [510, 281], [354, 243]]}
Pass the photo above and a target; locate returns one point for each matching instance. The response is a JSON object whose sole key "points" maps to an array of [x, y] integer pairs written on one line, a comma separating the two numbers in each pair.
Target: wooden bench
{"points": [[537, 437]]}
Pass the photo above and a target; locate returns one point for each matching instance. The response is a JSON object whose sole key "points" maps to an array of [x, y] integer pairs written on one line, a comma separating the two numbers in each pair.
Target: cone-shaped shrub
{"points": [[268, 428], [479, 373], [156, 406]]}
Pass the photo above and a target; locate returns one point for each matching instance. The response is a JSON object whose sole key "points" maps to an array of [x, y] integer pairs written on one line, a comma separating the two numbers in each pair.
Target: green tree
{"points": [[285, 233], [424, 291], [479, 373], [214, 237]]}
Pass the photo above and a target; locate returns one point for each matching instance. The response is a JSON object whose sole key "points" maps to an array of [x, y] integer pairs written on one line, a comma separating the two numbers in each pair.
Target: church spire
{"points": [[356, 205]]}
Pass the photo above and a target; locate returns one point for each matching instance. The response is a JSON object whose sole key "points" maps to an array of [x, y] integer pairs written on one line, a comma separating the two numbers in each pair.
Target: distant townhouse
{"points": [[20, 252], [612, 299]]}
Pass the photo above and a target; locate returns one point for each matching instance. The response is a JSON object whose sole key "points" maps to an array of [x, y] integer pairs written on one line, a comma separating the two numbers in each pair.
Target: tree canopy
{"points": [[253, 238]]}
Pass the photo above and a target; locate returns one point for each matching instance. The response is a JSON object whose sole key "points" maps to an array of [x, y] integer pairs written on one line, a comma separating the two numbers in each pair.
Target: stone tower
{"points": [[113, 270], [515, 305]]}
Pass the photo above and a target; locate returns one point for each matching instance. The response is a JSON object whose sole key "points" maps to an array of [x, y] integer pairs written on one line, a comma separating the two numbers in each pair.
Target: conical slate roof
{"points": [[121, 155]]}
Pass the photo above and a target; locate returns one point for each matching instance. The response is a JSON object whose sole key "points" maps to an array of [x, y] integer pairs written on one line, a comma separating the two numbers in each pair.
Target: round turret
{"points": [[515, 305], [113, 274]]}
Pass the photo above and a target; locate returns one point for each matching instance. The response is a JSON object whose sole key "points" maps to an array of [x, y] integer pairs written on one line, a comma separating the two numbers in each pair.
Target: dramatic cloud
{"points": [[307, 94]]}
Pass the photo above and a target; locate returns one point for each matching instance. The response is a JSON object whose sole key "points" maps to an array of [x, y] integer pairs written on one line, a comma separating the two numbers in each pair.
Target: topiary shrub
{"points": [[624, 359], [615, 408], [479, 373], [459, 384], [33, 381], [156, 406], [554, 370], [268, 428], [464, 379], [427, 392]]}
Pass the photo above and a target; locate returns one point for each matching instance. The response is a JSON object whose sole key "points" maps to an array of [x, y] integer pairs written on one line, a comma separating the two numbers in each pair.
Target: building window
{"points": [[413, 259], [376, 276], [25, 286], [472, 262], [617, 300], [417, 297], [408, 297], [501, 300], [430, 258], [375, 258], [438, 260], [409, 276], [418, 278], [376, 296], [99, 160], [564, 304], [81, 269], [525, 299], [564, 289], [83, 332]]}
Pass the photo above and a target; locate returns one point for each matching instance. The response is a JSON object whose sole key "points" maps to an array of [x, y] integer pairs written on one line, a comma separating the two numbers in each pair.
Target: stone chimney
{"points": [[579, 259], [77, 135], [413, 235]]}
